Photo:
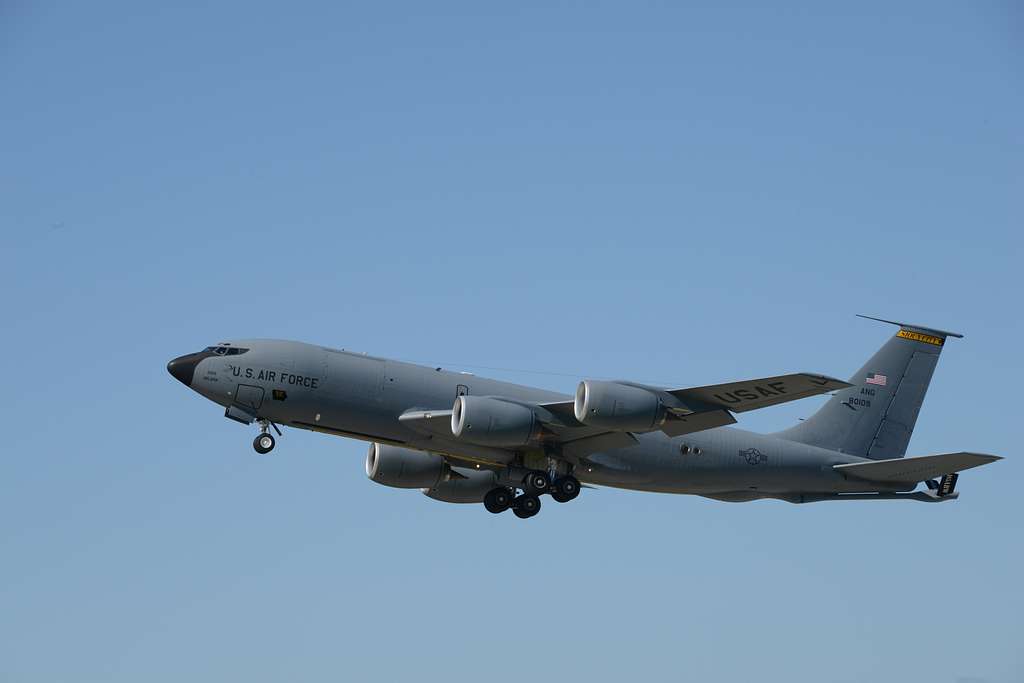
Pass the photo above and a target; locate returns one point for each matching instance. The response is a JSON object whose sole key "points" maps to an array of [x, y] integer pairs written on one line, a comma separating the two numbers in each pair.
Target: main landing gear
{"points": [[535, 484], [565, 489], [264, 441], [526, 506]]}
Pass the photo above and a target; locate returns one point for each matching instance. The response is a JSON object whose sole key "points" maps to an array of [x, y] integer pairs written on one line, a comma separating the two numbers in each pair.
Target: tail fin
{"points": [[875, 417]]}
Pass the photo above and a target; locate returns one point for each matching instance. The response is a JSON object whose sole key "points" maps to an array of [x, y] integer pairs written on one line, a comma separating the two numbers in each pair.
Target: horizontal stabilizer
{"points": [[912, 326], [912, 470]]}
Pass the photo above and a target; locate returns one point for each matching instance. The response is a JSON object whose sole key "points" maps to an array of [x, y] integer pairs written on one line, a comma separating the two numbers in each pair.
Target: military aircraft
{"points": [[465, 439]]}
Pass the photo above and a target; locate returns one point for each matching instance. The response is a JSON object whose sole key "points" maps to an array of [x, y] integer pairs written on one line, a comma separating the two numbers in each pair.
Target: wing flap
{"points": [[697, 422], [912, 470]]}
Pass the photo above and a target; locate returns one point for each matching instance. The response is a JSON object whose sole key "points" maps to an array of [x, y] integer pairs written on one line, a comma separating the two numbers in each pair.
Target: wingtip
{"points": [[827, 382], [982, 458]]}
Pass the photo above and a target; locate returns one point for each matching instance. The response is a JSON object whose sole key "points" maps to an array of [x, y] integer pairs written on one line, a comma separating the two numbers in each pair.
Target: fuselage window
{"points": [[225, 350]]}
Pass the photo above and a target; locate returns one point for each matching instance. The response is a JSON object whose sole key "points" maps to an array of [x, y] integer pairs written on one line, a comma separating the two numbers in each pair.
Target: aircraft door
{"points": [[249, 397]]}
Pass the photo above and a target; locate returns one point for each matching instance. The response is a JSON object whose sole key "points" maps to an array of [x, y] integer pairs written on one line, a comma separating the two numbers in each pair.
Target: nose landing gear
{"points": [[264, 441]]}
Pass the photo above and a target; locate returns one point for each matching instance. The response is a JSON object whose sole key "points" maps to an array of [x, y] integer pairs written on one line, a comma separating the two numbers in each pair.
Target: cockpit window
{"points": [[226, 350]]}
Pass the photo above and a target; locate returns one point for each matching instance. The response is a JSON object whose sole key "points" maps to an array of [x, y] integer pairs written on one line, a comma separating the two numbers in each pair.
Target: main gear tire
{"points": [[498, 500], [566, 488], [526, 506], [536, 483]]}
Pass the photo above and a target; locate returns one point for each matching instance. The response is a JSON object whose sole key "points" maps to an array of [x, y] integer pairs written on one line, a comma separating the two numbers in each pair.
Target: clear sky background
{"points": [[663, 192]]}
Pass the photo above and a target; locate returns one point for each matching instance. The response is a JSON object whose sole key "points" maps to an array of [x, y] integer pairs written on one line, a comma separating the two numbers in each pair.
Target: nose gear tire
{"points": [[263, 443]]}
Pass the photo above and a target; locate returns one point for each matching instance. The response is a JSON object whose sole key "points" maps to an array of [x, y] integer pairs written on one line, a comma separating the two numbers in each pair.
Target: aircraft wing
{"points": [[699, 408], [913, 470], [738, 397], [687, 410]]}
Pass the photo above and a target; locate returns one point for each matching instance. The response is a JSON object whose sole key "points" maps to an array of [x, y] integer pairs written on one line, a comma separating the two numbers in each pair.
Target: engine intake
{"points": [[618, 407], [404, 468], [493, 422]]}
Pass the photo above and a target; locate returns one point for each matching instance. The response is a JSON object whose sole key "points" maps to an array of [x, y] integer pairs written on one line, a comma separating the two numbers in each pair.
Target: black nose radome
{"points": [[183, 368]]}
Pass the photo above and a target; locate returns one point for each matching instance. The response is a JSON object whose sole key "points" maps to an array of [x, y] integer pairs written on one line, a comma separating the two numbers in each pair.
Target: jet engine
{"points": [[618, 407], [493, 422], [464, 486], [405, 468]]}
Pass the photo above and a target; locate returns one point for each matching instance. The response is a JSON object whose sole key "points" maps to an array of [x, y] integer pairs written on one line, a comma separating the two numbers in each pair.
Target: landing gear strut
{"points": [[264, 442]]}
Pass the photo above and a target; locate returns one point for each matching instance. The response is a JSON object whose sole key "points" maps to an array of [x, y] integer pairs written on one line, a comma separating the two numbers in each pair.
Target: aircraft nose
{"points": [[183, 368]]}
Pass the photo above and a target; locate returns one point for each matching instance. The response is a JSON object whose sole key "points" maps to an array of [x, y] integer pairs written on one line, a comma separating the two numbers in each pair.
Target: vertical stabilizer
{"points": [[875, 417]]}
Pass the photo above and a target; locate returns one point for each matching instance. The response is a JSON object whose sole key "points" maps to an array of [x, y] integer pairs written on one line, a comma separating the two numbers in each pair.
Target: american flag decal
{"points": [[880, 380]]}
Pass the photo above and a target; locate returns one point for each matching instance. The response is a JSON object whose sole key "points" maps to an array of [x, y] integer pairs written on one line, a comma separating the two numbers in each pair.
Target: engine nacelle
{"points": [[464, 486], [405, 468], [493, 422], [618, 407]]}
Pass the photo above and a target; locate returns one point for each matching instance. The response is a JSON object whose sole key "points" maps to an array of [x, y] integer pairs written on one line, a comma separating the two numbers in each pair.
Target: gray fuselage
{"points": [[361, 397]]}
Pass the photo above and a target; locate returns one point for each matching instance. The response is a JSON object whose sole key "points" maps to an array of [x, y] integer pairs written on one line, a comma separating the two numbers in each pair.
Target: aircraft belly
{"points": [[718, 461]]}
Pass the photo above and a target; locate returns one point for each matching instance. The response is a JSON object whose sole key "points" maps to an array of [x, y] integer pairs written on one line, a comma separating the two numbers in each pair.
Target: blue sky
{"points": [[662, 192]]}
